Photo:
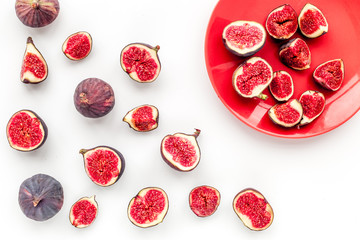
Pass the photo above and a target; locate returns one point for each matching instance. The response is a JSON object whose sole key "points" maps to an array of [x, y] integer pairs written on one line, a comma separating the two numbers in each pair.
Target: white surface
{"points": [[312, 184]]}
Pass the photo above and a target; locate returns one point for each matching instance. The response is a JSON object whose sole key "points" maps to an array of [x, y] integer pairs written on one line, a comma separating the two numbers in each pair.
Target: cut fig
{"points": [[244, 38], [286, 114], [83, 212], [330, 74], [41, 197], [312, 22], [77, 46], [252, 77], [282, 22], [141, 62], [143, 118], [295, 54], [253, 209], [104, 165], [34, 68], [282, 86], [313, 104], [204, 200], [149, 207], [181, 151], [26, 131]]}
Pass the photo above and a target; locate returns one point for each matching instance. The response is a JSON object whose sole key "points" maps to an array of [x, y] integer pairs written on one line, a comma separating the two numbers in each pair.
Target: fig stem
{"points": [[36, 202], [35, 4], [29, 40], [197, 132], [157, 48], [83, 151], [262, 96]]}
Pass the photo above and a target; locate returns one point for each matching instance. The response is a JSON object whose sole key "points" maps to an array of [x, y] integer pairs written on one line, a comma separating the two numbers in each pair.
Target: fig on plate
{"points": [[34, 68], [330, 74], [282, 22], [286, 114], [143, 118], [141, 62], [77, 46], [41, 197], [244, 38], [313, 104], [253, 209], [149, 207], [282, 86], [295, 54], [94, 98], [204, 200], [181, 151], [312, 22], [252, 77], [26, 131], [104, 165], [37, 13], [83, 212]]}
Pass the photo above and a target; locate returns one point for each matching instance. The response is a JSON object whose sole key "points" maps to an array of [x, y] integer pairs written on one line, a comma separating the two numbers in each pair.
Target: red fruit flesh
{"points": [[83, 212], [296, 54], [204, 200], [282, 86], [313, 103], [287, 114], [77, 46], [143, 118], [330, 74], [312, 22], [282, 22]]}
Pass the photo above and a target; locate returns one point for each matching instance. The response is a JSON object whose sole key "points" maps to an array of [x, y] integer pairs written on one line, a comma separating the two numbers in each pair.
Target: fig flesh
{"points": [[244, 38], [34, 68], [103, 165], [282, 22], [286, 114], [149, 207], [253, 209], [77, 46], [312, 22], [313, 104], [282, 86], [295, 54], [141, 62], [83, 212], [181, 151], [143, 118], [330, 74], [204, 200]]}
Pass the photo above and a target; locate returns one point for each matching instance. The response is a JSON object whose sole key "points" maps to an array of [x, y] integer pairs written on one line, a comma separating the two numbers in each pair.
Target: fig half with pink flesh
{"points": [[312, 22], [143, 118], [286, 114], [282, 86], [313, 104], [204, 200], [282, 22], [330, 74], [83, 212], [295, 54], [77, 46]]}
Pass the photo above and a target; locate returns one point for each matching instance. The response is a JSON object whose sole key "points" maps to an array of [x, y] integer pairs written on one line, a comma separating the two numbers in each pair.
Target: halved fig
{"points": [[312, 22], [295, 54], [26, 131], [204, 200], [34, 68], [104, 165], [253, 209], [282, 22], [141, 62], [149, 207], [286, 114], [313, 104], [330, 74], [83, 212], [143, 118], [77, 46], [181, 151], [244, 38], [282, 86], [252, 77]]}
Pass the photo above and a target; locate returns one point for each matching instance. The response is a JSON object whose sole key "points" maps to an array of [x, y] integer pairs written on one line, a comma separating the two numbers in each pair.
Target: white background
{"points": [[312, 184]]}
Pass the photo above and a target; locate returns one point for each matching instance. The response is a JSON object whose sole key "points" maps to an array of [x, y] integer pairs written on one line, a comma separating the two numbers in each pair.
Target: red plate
{"points": [[342, 41]]}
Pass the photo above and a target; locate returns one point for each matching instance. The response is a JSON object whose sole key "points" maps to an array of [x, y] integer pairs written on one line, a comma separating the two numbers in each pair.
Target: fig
{"points": [[181, 151], [83, 212], [141, 62], [286, 114], [77, 46], [312, 22], [252, 77], [41, 197], [34, 68], [37, 13], [143, 118], [313, 104], [295, 54], [204, 200], [330, 74], [149, 207], [253, 209], [26, 131], [104, 165], [244, 38], [282, 22], [282, 86], [94, 98]]}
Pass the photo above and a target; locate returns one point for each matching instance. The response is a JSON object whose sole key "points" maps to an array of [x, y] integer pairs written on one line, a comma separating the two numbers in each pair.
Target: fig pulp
{"points": [[282, 22], [26, 131], [104, 165], [149, 207], [312, 22], [330, 74], [204, 200], [295, 54], [141, 62], [77, 46], [143, 118], [253, 209], [41, 197], [313, 104], [83, 212], [282, 86], [244, 38], [181, 151], [34, 68], [287, 114]]}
